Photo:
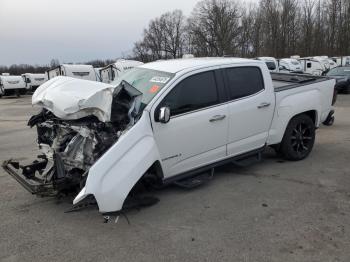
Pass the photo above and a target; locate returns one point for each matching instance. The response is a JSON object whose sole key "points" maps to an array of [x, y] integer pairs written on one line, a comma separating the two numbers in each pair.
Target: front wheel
{"points": [[299, 138]]}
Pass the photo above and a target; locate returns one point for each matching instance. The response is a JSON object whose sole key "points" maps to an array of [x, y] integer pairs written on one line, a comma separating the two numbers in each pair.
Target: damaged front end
{"points": [[69, 147]]}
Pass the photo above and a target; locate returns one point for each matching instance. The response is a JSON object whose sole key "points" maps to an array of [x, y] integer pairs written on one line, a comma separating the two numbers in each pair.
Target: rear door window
{"points": [[193, 93], [244, 81]]}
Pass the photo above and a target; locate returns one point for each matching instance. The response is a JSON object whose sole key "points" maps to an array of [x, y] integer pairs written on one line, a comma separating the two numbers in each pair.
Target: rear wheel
{"points": [[299, 138]]}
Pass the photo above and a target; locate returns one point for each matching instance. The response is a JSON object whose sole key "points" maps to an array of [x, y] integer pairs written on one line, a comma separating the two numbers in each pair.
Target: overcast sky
{"points": [[35, 31]]}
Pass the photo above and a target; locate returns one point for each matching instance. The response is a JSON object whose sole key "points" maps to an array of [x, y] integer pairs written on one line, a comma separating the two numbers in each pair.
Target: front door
{"points": [[196, 134]]}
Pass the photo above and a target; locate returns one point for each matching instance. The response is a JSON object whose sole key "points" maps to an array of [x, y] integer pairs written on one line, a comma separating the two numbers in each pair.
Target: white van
{"points": [[270, 62], [290, 65], [112, 71], [33, 81], [12, 85], [85, 72]]}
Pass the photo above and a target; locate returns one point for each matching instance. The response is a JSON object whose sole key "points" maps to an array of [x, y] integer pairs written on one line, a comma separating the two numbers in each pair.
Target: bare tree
{"points": [[214, 26], [54, 62], [173, 24]]}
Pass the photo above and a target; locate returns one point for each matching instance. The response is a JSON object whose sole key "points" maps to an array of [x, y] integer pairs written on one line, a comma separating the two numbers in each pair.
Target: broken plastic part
{"points": [[71, 146]]}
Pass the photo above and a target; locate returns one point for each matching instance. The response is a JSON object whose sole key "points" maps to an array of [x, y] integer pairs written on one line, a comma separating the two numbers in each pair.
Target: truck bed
{"points": [[285, 81]]}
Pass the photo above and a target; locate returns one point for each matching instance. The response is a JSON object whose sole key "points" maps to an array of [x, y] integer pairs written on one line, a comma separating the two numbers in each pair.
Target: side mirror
{"points": [[164, 115], [281, 68]]}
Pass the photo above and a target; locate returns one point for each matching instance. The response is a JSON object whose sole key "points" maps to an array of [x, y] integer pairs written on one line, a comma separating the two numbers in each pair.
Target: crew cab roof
{"points": [[177, 65]]}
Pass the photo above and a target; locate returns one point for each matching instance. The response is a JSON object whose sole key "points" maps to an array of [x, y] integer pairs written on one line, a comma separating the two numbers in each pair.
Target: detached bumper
{"points": [[33, 184]]}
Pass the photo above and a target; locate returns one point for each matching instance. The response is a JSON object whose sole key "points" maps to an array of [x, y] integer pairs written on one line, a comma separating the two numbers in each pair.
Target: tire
{"points": [[299, 138]]}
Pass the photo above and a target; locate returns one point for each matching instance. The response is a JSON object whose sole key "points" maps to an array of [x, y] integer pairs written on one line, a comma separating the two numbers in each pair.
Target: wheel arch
{"points": [[311, 113]]}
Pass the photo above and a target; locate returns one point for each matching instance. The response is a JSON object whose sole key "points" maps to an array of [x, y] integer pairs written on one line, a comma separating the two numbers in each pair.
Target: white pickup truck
{"points": [[167, 121]]}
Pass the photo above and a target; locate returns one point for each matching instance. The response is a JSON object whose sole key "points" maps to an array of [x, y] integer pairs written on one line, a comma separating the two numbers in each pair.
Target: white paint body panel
{"points": [[112, 177], [314, 96], [248, 123]]}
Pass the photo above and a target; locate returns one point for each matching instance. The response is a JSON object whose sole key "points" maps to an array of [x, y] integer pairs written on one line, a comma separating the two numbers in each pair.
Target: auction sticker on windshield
{"points": [[159, 79], [154, 89]]}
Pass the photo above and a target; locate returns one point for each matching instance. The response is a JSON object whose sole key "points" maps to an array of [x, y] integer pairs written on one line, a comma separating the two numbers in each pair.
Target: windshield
{"points": [[149, 82], [339, 71]]}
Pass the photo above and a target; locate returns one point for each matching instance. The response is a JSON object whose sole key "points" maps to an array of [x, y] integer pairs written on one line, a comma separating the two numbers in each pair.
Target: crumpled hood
{"points": [[69, 98]]}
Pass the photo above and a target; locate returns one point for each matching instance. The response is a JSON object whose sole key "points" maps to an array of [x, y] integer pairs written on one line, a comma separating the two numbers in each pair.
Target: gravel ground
{"points": [[270, 211]]}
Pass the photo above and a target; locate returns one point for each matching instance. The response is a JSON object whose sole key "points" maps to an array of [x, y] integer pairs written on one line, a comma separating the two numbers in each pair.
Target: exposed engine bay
{"points": [[69, 147]]}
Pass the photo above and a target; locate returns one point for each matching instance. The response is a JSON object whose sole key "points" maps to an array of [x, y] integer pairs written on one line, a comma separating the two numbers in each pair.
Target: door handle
{"points": [[263, 105], [217, 118]]}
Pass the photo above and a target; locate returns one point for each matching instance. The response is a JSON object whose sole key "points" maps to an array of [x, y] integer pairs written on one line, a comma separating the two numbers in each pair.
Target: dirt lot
{"points": [[271, 211]]}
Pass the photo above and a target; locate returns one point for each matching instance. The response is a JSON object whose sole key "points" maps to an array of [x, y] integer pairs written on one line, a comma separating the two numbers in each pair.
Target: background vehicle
{"points": [[112, 71], [98, 73], [166, 122], [326, 59], [290, 65], [342, 76], [313, 67], [341, 60], [12, 85], [270, 62], [85, 72], [33, 81]]}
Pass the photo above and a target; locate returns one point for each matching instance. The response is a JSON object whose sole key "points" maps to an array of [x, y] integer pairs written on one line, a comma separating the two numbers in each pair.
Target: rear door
{"points": [[196, 134], [251, 108]]}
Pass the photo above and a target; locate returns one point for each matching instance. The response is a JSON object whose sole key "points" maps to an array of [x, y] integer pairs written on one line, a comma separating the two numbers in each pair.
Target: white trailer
{"points": [[290, 65], [86, 72], [12, 85], [326, 62], [341, 60], [98, 73], [270, 62], [33, 81], [111, 72], [314, 66]]}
